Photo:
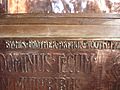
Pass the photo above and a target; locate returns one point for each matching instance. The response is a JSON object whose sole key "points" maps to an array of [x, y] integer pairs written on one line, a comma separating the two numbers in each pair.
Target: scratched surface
{"points": [[59, 64]]}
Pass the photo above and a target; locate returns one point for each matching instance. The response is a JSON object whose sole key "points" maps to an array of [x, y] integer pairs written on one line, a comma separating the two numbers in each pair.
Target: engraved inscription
{"points": [[47, 62], [43, 83], [62, 44]]}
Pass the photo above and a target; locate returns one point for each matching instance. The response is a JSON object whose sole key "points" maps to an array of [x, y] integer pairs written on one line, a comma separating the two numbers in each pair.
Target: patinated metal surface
{"points": [[59, 64], [59, 52]]}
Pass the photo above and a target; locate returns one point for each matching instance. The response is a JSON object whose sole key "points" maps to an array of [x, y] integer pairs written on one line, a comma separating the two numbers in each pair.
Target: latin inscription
{"points": [[36, 64], [47, 62], [43, 83], [62, 44]]}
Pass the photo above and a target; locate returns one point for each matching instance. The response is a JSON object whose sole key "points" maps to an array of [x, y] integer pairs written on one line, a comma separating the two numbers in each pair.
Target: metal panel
{"points": [[59, 64]]}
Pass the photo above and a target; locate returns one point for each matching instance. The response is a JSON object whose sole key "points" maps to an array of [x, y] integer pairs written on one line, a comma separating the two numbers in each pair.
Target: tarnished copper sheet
{"points": [[59, 64]]}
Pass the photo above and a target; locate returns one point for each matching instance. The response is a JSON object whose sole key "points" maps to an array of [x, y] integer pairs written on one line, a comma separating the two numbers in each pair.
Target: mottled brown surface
{"points": [[93, 66]]}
